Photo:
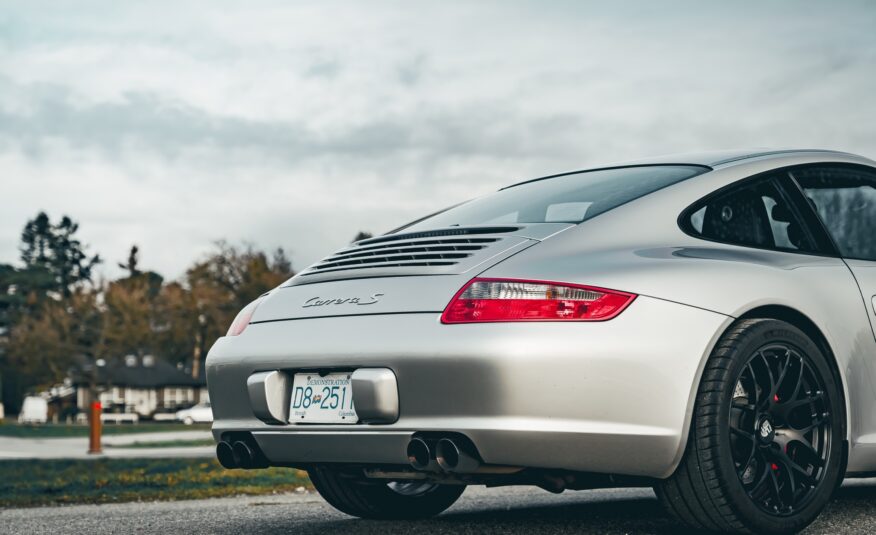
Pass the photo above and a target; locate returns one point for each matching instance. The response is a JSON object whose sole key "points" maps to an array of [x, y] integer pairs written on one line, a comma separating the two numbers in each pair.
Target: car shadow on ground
{"points": [[851, 511], [636, 515]]}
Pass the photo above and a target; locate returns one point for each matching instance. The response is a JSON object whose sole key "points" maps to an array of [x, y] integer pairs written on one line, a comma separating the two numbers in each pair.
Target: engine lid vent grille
{"points": [[403, 253], [446, 251]]}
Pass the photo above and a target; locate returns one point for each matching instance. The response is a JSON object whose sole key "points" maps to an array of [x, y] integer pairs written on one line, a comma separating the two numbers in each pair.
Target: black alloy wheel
{"points": [[764, 452], [780, 424]]}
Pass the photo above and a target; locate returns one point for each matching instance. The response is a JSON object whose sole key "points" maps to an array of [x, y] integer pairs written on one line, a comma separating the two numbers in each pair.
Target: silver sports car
{"points": [[701, 324]]}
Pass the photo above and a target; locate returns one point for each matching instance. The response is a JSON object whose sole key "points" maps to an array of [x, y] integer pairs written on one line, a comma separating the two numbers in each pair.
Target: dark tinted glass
{"points": [[845, 199], [754, 214], [568, 199]]}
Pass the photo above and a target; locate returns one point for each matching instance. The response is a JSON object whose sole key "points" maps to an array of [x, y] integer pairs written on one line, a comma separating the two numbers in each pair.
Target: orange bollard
{"points": [[94, 429]]}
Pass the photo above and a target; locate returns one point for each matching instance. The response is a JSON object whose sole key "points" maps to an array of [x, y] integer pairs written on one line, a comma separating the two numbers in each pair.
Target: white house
{"points": [[137, 385]]}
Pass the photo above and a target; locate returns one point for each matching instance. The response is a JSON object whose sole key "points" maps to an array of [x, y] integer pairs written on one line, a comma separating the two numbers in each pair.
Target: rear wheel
{"points": [[765, 446], [358, 496]]}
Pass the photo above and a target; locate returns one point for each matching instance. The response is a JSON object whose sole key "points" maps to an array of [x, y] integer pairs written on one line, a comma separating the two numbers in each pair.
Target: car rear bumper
{"points": [[611, 397]]}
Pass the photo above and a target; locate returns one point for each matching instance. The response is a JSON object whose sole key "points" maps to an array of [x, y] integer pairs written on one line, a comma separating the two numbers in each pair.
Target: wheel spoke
{"points": [[797, 403], [744, 466], [791, 466], [757, 488], [817, 421], [812, 454], [766, 393], [782, 373], [774, 486], [748, 407], [799, 383], [792, 483], [743, 434], [753, 393]]}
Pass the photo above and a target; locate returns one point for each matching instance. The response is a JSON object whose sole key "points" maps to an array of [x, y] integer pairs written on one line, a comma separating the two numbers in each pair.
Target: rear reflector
{"points": [[484, 300], [241, 321]]}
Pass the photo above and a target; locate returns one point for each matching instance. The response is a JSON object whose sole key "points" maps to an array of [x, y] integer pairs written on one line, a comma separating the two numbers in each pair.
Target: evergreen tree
{"points": [[53, 249]]}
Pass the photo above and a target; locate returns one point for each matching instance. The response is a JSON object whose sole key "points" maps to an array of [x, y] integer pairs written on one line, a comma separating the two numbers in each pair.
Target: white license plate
{"points": [[326, 399]]}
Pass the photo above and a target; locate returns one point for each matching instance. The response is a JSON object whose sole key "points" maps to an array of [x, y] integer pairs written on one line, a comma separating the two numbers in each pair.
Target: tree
{"points": [[224, 283], [129, 318], [54, 249], [43, 344], [131, 264]]}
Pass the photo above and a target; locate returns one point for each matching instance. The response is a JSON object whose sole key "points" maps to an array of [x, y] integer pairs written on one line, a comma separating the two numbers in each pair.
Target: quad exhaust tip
{"points": [[453, 458], [419, 454], [239, 454], [225, 454], [242, 454]]}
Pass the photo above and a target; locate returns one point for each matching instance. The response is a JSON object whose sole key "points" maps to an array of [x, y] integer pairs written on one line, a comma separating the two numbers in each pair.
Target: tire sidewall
{"points": [[757, 336]]}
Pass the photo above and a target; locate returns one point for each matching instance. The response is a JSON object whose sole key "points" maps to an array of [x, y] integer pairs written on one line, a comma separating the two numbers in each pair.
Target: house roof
{"points": [[135, 374]]}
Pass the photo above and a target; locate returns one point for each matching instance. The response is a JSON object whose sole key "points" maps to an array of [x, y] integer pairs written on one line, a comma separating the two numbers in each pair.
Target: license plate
{"points": [[326, 399]]}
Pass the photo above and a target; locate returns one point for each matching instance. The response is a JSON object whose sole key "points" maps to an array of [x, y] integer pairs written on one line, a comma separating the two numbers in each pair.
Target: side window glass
{"points": [[845, 199], [753, 214]]}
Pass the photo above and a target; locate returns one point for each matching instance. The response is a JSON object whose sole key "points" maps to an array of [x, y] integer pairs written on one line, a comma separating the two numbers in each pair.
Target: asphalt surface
{"points": [[513, 510], [77, 447]]}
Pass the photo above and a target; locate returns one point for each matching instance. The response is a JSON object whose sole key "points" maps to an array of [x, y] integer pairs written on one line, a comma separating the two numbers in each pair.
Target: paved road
{"points": [[515, 510], [77, 448]]}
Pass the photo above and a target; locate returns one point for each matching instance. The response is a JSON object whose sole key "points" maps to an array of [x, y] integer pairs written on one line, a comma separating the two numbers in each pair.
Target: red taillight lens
{"points": [[520, 300], [241, 321]]}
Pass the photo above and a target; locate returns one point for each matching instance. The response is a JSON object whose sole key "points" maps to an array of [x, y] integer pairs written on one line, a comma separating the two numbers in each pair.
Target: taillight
{"points": [[241, 321], [483, 300]]}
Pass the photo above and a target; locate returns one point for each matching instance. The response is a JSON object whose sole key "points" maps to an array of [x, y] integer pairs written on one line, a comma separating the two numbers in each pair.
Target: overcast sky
{"points": [[174, 124]]}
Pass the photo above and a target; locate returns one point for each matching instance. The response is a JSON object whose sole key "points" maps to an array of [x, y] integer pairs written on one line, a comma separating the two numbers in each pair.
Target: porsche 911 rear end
{"points": [[402, 368], [516, 374]]}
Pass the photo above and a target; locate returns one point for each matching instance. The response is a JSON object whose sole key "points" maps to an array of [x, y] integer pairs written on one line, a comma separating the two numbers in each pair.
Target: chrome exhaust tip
{"points": [[453, 458], [419, 455], [243, 454], [225, 455]]}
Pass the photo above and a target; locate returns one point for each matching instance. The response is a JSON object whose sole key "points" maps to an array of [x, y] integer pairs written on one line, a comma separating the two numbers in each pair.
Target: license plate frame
{"points": [[322, 398]]}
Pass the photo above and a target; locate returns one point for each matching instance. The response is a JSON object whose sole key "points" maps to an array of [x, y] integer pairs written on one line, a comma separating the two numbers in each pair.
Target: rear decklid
{"points": [[399, 273]]}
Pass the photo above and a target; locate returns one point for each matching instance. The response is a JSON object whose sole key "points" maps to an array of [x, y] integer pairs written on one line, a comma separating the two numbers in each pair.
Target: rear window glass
{"points": [[565, 199]]}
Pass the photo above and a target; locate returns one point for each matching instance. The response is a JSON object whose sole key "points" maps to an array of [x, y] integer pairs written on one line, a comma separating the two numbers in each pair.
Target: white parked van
{"points": [[34, 410]]}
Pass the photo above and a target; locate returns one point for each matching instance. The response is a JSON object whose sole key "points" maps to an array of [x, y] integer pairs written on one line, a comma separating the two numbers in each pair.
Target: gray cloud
{"points": [[300, 124], [167, 127]]}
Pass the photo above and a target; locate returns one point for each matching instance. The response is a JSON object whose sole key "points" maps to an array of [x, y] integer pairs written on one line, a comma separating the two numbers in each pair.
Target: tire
{"points": [[188, 420], [357, 496], [760, 458]]}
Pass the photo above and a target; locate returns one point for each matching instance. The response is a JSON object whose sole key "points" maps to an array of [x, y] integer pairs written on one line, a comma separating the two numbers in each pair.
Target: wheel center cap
{"points": [[765, 430]]}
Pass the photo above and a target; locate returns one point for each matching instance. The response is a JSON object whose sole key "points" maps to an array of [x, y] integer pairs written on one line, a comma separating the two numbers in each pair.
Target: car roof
{"points": [[712, 159], [721, 158]]}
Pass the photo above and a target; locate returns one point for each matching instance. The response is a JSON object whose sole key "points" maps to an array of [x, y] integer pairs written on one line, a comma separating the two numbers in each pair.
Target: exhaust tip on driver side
{"points": [[225, 455]]}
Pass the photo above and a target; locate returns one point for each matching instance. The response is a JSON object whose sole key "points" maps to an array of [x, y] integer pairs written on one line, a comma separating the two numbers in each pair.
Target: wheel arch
{"points": [[796, 318]]}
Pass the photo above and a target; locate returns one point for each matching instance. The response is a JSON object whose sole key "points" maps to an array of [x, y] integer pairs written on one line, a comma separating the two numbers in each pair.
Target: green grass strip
{"points": [[52, 482]]}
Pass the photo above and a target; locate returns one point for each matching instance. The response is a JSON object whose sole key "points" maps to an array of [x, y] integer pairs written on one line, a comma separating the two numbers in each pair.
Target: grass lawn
{"points": [[166, 444], [52, 482], [63, 430]]}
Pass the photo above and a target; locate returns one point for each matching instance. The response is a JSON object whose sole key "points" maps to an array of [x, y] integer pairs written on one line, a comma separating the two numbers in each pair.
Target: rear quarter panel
{"points": [[640, 248]]}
